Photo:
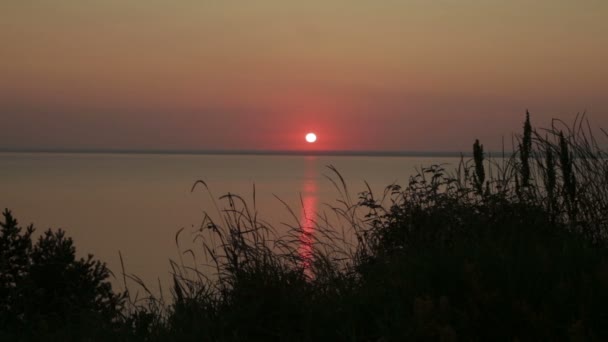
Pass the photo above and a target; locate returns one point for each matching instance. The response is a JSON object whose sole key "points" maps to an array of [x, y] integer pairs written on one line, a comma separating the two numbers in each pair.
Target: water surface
{"points": [[135, 203]]}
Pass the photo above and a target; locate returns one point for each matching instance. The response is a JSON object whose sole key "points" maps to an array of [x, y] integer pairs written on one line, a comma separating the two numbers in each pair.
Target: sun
{"points": [[311, 137]]}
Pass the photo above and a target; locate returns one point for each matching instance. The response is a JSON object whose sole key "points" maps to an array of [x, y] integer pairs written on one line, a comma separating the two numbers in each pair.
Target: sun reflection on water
{"points": [[309, 196]]}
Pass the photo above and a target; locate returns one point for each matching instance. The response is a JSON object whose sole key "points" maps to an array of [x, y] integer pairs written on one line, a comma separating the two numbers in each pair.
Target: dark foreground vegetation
{"points": [[505, 249]]}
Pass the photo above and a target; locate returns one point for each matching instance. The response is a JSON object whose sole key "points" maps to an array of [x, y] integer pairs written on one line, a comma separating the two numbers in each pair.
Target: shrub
{"points": [[46, 292]]}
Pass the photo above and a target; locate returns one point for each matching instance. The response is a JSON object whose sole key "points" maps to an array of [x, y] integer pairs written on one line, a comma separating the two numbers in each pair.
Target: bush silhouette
{"points": [[46, 291]]}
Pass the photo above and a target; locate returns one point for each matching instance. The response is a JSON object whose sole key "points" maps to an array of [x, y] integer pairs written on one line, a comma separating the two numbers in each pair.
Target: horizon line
{"points": [[365, 153]]}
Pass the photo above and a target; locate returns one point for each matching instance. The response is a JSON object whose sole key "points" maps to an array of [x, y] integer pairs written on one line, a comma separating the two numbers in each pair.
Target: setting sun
{"points": [[311, 137]]}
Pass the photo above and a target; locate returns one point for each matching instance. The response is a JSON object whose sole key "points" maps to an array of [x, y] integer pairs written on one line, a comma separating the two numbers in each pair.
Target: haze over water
{"points": [[363, 75], [135, 203]]}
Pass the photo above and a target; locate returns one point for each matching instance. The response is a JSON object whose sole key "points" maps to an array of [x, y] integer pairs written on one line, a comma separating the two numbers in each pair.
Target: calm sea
{"points": [[135, 203]]}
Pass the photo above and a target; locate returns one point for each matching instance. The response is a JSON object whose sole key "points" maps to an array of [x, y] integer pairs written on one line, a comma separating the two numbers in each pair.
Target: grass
{"points": [[512, 248]]}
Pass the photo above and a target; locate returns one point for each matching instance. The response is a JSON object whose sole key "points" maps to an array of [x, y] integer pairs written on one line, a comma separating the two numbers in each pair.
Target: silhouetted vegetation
{"points": [[496, 249], [47, 294]]}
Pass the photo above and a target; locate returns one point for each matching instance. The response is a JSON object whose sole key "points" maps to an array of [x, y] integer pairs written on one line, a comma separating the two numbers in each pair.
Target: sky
{"points": [[408, 75]]}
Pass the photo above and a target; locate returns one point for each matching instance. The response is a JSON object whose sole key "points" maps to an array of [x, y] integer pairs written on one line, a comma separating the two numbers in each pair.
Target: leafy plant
{"points": [[47, 291]]}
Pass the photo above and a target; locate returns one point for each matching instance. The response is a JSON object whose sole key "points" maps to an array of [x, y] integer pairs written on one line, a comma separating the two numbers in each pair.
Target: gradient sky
{"points": [[365, 75]]}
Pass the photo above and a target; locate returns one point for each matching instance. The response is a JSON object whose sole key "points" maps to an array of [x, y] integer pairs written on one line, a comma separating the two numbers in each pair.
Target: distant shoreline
{"points": [[255, 152]]}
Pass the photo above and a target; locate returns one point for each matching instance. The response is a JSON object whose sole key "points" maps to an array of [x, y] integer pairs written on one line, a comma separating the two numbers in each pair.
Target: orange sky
{"points": [[365, 75]]}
